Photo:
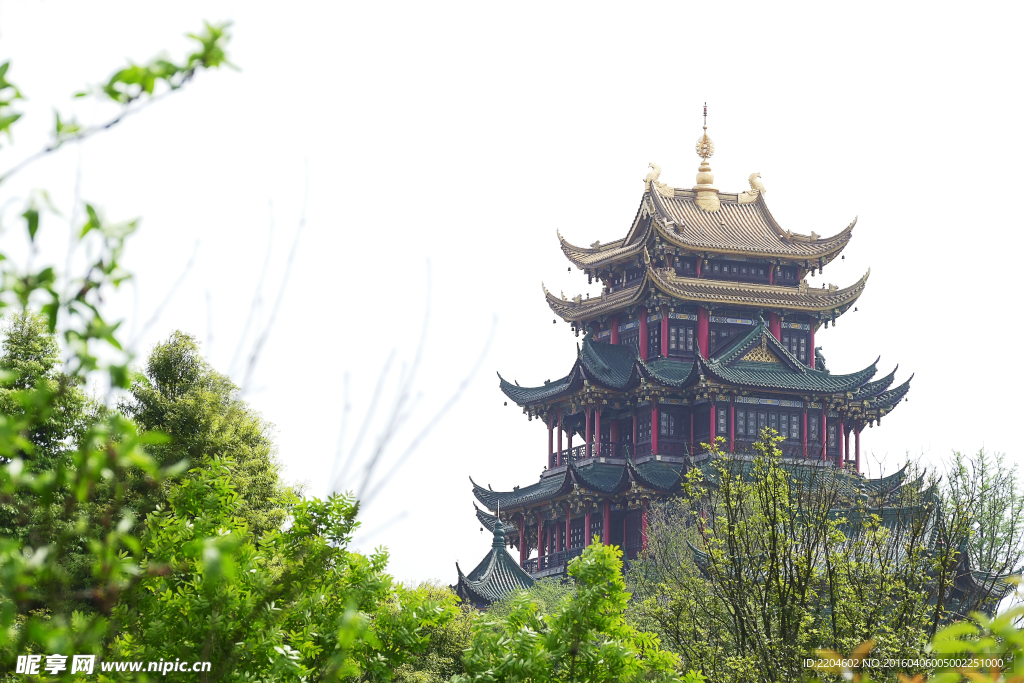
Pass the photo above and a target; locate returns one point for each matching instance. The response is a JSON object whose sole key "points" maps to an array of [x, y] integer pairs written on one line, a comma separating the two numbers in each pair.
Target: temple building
{"points": [[705, 328]]}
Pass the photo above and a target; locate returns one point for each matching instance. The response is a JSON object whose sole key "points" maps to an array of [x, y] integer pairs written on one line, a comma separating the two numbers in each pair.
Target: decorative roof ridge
{"points": [[490, 521], [739, 349], [628, 295], [891, 397]]}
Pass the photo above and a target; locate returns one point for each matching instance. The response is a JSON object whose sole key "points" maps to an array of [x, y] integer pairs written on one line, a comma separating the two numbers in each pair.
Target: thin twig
{"points": [[438, 416], [167, 299], [257, 348], [257, 295]]}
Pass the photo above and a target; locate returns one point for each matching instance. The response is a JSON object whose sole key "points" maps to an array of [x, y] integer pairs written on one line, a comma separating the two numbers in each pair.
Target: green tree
{"points": [[180, 395], [585, 639]]}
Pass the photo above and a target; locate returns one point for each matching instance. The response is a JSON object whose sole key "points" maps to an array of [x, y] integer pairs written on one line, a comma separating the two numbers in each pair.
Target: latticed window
{"points": [[643, 428], [668, 424], [773, 421], [597, 524], [762, 422], [653, 340], [784, 426], [796, 344], [680, 338], [813, 432], [630, 338], [794, 427], [741, 422], [722, 418], [831, 437]]}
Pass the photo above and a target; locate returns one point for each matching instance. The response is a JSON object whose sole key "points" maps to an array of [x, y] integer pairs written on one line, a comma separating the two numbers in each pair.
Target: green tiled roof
{"points": [[496, 576], [489, 521], [790, 374], [872, 389], [888, 399], [547, 487], [659, 475], [617, 367], [526, 395], [612, 365], [602, 477], [671, 373]]}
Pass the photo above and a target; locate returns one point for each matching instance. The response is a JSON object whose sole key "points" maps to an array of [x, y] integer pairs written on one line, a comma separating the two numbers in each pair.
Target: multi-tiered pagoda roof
{"points": [[703, 332]]}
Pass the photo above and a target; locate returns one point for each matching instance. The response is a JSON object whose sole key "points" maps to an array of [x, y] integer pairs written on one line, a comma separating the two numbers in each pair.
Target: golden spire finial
{"points": [[705, 146], [707, 195]]}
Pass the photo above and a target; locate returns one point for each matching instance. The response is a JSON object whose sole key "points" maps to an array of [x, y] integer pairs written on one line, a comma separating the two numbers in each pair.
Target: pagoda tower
{"points": [[704, 330]]}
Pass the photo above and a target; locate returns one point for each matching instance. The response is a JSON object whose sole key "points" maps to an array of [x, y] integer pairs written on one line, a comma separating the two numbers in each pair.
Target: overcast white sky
{"points": [[465, 134]]}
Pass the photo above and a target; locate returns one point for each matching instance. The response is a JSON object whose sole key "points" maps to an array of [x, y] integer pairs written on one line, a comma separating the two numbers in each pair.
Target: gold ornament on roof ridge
{"points": [[705, 146]]}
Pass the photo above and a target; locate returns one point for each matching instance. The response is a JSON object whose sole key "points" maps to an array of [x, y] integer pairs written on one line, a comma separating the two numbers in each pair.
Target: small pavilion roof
{"points": [[739, 227], [710, 292], [497, 575]]}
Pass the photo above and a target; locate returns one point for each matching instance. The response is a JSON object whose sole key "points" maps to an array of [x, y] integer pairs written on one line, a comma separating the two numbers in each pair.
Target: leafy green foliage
{"points": [[758, 567], [585, 639], [180, 395]]}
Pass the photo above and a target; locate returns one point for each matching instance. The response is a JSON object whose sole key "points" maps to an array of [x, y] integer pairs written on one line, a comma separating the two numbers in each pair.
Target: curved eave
{"points": [[510, 500], [774, 242], [624, 249], [768, 377], [589, 477], [652, 372], [611, 366], [570, 311], [489, 521], [724, 292], [558, 388], [873, 389], [657, 475], [888, 400]]}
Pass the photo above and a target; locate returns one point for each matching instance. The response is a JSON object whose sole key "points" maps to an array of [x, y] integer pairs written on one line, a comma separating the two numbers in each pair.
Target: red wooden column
{"points": [[568, 525], [643, 526], [568, 456], [811, 357], [699, 261], [856, 441], [664, 332], [771, 274], [558, 460], [586, 527], [551, 441], [606, 530], [541, 546], [655, 425], [614, 336], [702, 331], [597, 431], [824, 432], [558, 536], [588, 433], [732, 424], [847, 456], [842, 438], [643, 334], [803, 431], [775, 325], [524, 552]]}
